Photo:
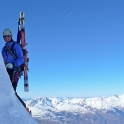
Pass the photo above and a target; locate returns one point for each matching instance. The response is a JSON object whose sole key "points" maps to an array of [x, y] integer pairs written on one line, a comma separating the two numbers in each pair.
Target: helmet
{"points": [[7, 32]]}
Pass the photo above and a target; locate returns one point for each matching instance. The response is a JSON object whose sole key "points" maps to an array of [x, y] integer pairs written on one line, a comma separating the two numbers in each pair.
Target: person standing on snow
{"points": [[13, 65]]}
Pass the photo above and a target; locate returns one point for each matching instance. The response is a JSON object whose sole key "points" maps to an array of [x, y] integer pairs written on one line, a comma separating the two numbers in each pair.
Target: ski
{"points": [[22, 41]]}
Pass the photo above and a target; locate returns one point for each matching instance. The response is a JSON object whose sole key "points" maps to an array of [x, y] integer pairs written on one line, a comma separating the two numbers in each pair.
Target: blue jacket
{"points": [[8, 58]]}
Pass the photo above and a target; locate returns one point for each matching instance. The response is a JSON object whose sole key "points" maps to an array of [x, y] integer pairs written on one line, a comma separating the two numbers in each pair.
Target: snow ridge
{"points": [[11, 110]]}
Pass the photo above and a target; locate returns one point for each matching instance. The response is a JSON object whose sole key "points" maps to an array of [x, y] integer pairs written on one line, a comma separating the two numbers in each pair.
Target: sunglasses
{"points": [[4, 36]]}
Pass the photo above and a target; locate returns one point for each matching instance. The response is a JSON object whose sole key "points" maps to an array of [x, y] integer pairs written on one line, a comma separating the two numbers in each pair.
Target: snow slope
{"points": [[11, 110]]}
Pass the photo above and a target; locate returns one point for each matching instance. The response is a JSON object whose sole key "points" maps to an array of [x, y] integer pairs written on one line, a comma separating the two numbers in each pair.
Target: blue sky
{"points": [[76, 47]]}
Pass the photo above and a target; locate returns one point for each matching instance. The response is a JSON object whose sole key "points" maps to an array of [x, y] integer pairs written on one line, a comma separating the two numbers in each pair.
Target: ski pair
{"points": [[22, 41]]}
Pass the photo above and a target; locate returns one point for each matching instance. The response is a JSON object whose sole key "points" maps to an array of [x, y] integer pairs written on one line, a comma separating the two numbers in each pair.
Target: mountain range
{"points": [[69, 110]]}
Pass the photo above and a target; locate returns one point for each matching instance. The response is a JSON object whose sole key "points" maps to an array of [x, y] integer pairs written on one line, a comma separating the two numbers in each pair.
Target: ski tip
{"points": [[22, 14]]}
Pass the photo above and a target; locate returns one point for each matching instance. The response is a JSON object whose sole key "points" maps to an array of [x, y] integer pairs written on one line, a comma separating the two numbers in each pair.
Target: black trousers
{"points": [[14, 84]]}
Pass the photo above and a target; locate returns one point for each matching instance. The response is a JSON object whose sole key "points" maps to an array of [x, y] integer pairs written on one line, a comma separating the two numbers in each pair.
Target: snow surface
{"points": [[48, 107], [11, 110]]}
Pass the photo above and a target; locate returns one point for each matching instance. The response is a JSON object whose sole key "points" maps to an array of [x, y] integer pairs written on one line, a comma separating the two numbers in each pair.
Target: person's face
{"points": [[7, 38]]}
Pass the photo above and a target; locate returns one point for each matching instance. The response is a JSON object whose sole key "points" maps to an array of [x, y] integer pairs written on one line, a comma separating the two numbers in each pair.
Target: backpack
{"points": [[11, 51]]}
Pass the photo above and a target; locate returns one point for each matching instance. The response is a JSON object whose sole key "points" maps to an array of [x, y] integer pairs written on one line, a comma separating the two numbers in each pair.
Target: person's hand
{"points": [[9, 65]]}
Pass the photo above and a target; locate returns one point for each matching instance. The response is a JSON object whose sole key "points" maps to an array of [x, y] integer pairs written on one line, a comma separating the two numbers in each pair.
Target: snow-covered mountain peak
{"points": [[114, 96], [56, 104], [62, 108]]}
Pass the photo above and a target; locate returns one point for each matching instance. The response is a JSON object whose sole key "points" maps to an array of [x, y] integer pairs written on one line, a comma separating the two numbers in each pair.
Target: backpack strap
{"points": [[11, 50]]}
